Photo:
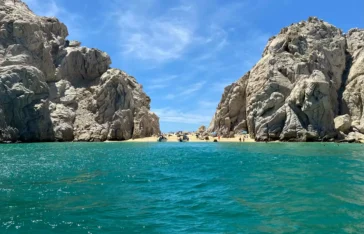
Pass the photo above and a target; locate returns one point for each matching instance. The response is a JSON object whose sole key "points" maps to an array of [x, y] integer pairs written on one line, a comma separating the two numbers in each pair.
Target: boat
{"points": [[184, 139], [162, 139]]}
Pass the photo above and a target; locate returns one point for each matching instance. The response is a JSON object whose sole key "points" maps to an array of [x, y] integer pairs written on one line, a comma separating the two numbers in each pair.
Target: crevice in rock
{"points": [[342, 105]]}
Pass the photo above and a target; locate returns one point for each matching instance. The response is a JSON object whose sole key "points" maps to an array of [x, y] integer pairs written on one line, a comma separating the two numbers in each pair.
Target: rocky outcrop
{"points": [[201, 129], [353, 95], [355, 136], [309, 74], [343, 123], [54, 89]]}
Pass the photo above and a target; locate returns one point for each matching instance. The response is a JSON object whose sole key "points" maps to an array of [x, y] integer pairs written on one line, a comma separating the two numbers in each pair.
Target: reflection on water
{"points": [[181, 188]]}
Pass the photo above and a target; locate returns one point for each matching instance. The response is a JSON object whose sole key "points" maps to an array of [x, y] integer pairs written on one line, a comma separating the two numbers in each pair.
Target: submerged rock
{"points": [[309, 74], [54, 89]]}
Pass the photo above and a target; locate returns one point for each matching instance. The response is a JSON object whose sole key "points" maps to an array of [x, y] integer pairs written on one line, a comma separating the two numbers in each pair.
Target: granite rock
{"points": [[52, 89], [309, 74]]}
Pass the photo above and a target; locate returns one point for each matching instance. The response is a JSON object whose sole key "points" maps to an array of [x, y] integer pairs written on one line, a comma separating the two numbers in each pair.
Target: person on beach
{"points": [[240, 139]]}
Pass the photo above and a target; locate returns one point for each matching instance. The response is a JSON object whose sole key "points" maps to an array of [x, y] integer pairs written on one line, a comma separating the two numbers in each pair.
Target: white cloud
{"points": [[193, 88], [178, 116], [155, 38], [161, 83], [186, 92], [216, 41], [194, 32], [157, 86], [164, 79]]}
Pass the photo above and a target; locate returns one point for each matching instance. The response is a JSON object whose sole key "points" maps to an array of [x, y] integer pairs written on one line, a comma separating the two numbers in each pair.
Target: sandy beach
{"points": [[193, 138]]}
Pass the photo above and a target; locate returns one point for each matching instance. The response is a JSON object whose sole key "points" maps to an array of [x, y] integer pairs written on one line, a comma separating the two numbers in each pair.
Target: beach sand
{"points": [[193, 138]]}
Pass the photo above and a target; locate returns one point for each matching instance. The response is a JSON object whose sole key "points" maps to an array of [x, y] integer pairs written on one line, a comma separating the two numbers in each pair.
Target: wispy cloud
{"points": [[161, 82], [178, 116], [149, 31], [164, 79], [156, 37], [170, 96], [186, 92], [193, 88], [157, 86], [217, 40]]}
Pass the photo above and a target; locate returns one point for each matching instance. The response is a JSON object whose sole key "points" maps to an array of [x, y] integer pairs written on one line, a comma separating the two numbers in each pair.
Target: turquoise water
{"points": [[181, 188]]}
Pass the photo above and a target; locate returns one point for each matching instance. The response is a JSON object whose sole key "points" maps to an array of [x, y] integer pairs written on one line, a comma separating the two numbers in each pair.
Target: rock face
{"points": [[52, 89], [309, 74]]}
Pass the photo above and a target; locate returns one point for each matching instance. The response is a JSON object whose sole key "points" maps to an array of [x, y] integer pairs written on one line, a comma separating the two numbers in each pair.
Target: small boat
{"points": [[184, 139], [162, 139]]}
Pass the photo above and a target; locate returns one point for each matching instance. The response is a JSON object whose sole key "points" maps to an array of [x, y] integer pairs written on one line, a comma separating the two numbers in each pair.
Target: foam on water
{"points": [[181, 188]]}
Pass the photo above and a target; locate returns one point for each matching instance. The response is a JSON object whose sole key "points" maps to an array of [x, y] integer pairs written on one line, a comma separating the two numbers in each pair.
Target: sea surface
{"points": [[182, 188]]}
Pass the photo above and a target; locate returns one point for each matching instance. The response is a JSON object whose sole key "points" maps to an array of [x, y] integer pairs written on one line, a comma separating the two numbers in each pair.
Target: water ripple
{"points": [[181, 188]]}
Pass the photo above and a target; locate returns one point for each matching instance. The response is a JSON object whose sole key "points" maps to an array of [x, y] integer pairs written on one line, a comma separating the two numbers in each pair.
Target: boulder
{"points": [[343, 123], [355, 137], [357, 126]]}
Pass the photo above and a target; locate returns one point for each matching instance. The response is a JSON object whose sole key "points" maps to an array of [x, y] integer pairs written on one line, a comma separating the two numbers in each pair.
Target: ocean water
{"points": [[181, 188]]}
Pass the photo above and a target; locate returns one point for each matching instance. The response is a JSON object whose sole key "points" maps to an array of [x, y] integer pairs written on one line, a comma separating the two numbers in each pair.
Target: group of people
{"points": [[244, 137], [241, 139], [207, 138]]}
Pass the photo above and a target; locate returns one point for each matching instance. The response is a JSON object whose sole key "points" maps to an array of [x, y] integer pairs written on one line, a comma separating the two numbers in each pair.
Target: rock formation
{"points": [[343, 123], [201, 129], [53, 89], [309, 74]]}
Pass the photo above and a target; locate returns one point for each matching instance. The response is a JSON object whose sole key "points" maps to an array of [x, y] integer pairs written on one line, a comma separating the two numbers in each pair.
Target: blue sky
{"points": [[185, 52]]}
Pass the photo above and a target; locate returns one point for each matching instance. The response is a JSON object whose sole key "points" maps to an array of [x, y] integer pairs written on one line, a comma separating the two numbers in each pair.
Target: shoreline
{"points": [[247, 139], [193, 138]]}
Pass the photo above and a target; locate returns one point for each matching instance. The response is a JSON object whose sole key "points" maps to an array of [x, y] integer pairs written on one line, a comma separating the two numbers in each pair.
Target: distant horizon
{"points": [[184, 53]]}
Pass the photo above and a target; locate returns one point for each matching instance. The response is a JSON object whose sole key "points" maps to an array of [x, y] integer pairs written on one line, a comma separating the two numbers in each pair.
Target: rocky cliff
{"points": [[53, 89], [309, 74]]}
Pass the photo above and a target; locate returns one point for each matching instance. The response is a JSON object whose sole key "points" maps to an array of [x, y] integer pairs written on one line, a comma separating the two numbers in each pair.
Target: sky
{"points": [[184, 52]]}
